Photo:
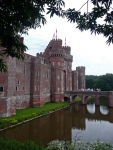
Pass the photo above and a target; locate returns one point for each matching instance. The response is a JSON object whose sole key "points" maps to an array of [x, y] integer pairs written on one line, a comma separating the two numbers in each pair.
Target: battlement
{"points": [[82, 68], [61, 53], [28, 57], [42, 60], [53, 41], [66, 48], [54, 44], [74, 71], [57, 40], [56, 55], [40, 54]]}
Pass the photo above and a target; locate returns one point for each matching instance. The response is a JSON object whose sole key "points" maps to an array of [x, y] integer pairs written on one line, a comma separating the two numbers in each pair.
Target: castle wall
{"points": [[7, 81], [37, 80], [23, 82], [4, 81]]}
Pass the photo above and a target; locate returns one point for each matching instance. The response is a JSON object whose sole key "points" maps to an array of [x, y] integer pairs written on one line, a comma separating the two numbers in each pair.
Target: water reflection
{"points": [[91, 108], [104, 110], [65, 124]]}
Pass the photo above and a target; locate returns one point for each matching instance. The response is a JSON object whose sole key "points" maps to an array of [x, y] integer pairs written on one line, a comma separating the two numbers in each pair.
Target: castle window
{"points": [[47, 74], [36, 88], [53, 63], [24, 70], [58, 63], [23, 88], [16, 88], [18, 82], [37, 73], [1, 89]]}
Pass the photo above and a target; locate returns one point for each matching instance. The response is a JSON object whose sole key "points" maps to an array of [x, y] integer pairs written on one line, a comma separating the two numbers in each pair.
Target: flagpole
{"points": [[56, 33]]}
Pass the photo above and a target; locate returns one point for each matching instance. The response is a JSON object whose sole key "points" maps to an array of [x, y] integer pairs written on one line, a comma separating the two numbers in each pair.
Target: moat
{"points": [[89, 122]]}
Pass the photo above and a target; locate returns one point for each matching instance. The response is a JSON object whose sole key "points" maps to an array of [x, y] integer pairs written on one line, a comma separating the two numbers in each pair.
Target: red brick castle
{"points": [[39, 79]]}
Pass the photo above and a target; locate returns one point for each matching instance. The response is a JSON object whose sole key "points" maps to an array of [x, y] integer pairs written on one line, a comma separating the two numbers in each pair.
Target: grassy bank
{"points": [[29, 113], [54, 145]]}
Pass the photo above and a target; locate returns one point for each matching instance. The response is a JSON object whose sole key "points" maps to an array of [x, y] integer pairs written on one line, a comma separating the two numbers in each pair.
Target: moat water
{"points": [[84, 122]]}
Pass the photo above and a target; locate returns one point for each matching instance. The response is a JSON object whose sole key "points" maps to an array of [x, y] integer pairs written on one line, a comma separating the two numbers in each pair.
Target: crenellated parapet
{"points": [[28, 58], [80, 68], [54, 43], [67, 49], [41, 60], [61, 53]]}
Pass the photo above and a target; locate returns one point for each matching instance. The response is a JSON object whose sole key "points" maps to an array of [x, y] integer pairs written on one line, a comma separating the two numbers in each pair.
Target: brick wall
{"points": [[37, 80]]}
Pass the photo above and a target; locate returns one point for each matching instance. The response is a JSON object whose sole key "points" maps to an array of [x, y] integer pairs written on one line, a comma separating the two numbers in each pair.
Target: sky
{"points": [[87, 49]]}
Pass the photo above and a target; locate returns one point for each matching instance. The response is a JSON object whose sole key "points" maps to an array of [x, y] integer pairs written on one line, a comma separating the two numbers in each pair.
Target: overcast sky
{"points": [[88, 50]]}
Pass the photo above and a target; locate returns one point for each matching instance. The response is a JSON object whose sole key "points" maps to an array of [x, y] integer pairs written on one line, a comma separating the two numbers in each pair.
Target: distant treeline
{"points": [[104, 82]]}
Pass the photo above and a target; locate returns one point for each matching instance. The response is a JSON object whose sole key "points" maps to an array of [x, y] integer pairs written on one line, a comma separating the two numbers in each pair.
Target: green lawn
{"points": [[31, 112]]}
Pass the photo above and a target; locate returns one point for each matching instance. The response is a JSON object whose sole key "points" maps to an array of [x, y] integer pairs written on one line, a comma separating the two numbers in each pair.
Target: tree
{"points": [[89, 20], [18, 17], [89, 83], [103, 85], [104, 82]]}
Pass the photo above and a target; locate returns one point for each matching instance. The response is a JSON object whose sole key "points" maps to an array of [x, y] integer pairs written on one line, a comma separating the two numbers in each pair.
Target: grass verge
{"points": [[29, 113]]}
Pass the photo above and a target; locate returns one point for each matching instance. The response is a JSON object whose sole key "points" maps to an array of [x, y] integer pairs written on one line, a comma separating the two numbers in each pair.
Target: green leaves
{"points": [[3, 67], [19, 17], [105, 82], [89, 21]]}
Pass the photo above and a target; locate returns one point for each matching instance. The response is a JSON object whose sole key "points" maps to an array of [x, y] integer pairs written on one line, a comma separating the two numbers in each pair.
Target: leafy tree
{"points": [[89, 20], [18, 17], [89, 83], [103, 85], [104, 82]]}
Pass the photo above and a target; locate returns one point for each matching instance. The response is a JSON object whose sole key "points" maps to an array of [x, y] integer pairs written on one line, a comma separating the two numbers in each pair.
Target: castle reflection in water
{"points": [[61, 124]]}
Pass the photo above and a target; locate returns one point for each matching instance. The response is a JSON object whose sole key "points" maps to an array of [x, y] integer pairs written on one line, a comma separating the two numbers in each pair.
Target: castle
{"points": [[39, 79]]}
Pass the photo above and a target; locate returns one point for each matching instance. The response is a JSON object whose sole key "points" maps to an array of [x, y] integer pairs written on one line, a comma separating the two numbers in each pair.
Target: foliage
{"points": [[78, 145], [54, 145], [104, 82], [18, 17], [28, 113], [14, 145], [77, 99], [102, 9], [6, 144]]}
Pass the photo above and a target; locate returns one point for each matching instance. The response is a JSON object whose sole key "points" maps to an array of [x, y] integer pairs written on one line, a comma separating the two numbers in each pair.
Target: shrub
{"points": [[78, 145], [14, 145]]}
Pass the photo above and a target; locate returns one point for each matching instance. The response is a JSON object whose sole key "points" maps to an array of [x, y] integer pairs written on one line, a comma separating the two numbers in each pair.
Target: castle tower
{"points": [[57, 71], [81, 77], [75, 80], [57, 78], [61, 72], [40, 81]]}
